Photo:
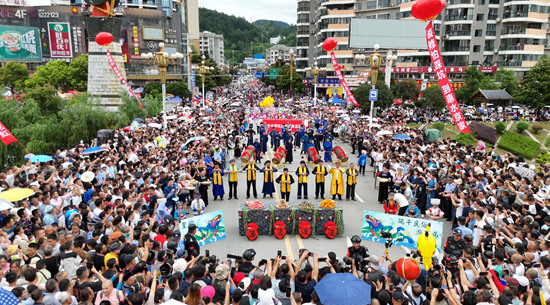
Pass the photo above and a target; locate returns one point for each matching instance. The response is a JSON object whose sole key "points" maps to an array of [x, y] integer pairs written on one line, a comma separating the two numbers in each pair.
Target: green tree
{"points": [[385, 95], [54, 73], [14, 75], [47, 98], [152, 88], [535, 89], [406, 89], [283, 81], [507, 81], [78, 73], [474, 80], [178, 89], [129, 110], [432, 97]]}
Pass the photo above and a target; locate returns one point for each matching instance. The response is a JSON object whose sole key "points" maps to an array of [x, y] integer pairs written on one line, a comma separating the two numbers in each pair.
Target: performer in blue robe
{"points": [[263, 140], [297, 138], [277, 140], [305, 143], [258, 148], [217, 181], [272, 135], [310, 144], [269, 186], [328, 150]]}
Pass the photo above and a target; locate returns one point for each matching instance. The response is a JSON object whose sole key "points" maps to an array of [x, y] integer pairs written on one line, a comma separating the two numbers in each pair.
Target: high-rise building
{"points": [[211, 44], [278, 53]]}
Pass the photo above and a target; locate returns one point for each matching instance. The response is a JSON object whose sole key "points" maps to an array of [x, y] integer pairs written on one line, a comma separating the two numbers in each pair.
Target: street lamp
{"points": [[280, 60], [375, 61], [204, 70], [162, 60], [390, 61], [291, 57], [360, 59], [315, 71]]}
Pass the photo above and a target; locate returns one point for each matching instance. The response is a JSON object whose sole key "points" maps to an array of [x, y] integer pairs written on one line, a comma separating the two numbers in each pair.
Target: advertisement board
{"points": [[124, 45], [60, 39], [19, 43]]}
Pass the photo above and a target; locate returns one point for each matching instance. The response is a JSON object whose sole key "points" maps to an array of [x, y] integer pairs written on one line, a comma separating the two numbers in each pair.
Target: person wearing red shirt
{"points": [[390, 205]]}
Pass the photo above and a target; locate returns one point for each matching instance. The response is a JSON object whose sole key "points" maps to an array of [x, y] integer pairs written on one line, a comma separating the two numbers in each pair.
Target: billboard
{"points": [[19, 43], [60, 39], [25, 2], [389, 34]]}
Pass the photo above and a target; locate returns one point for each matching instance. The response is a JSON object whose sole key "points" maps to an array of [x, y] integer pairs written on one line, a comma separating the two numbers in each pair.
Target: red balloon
{"points": [[104, 38], [329, 44], [408, 268], [427, 9]]}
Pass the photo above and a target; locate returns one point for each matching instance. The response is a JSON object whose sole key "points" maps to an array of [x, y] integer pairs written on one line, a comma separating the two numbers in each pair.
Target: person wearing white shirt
{"points": [[197, 205]]}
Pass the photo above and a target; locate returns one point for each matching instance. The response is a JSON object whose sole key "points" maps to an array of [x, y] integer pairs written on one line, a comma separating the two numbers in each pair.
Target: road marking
{"points": [[359, 198], [289, 248], [300, 242], [348, 242]]}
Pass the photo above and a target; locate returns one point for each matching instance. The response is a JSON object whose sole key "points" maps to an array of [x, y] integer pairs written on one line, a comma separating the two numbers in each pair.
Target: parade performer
{"points": [[302, 172], [289, 157], [328, 150], [398, 178], [217, 181], [385, 182], [204, 181], [258, 150], [269, 187], [285, 180], [305, 144], [251, 169], [337, 183], [232, 170], [320, 172], [352, 182], [390, 205]]}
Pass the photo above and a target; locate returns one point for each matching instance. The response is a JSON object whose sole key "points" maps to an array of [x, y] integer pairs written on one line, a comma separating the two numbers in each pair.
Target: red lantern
{"points": [[104, 38], [330, 229], [252, 231], [408, 268], [304, 229], [329, 44], [279, 229], [427, 9]]}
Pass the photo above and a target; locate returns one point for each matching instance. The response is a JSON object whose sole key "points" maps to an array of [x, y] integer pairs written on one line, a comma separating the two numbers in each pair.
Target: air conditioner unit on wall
{"points": [[497, 20]]}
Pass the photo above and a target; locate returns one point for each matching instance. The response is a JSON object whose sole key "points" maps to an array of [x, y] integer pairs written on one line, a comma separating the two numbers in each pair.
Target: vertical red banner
{"points": [[113, 65], [342, 79], [443, 81], [5, 135]]}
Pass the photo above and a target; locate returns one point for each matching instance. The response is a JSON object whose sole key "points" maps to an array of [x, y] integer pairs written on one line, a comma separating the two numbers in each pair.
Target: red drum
{"points": [[340, 154], [248, 154], [277, 158], [313, 155]]}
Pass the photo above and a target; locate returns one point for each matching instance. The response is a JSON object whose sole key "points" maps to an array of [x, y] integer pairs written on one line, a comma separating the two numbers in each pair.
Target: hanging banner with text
{"points": [[443, 81], [342, 79], [113, 65], [60, 39], [5, 135], [279, 124]]}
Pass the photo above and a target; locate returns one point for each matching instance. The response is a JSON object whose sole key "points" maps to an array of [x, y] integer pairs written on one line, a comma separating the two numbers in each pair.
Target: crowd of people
{"points": [[91, 231]]}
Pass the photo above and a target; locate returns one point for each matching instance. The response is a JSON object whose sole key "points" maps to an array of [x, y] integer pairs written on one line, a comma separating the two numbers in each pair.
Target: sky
{"points": [[252, 10]]}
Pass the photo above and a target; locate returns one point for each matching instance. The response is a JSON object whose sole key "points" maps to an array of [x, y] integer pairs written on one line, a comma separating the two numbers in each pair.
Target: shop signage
{"points": [[60, 39], [9, 13], [432, 70], [20, 43]]}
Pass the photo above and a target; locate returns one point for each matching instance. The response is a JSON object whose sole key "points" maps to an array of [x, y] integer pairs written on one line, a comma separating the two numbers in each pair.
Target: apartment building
{"points": [[278, 54], [211, 44]]}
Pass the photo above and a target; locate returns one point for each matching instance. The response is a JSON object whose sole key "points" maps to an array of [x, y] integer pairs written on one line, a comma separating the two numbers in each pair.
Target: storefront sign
{"points": [[343, 67], [136, 43], [25, 2], [124, 45], [60, 39], [9, 13], [19, 43], [432, 70]]}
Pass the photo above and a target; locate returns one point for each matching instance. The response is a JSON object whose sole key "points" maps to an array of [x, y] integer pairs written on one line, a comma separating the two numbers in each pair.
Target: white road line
{"points": [[359, 198]]}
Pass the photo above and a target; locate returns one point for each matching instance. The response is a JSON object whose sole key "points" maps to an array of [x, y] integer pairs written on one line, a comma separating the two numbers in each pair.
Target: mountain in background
{"points": [[242, 38], [281, 23]]}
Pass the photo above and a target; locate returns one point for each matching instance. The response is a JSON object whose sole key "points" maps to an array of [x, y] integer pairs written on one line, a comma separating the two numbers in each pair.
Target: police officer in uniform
{"points": [[455, 242], [357, 249], [191, 243]]}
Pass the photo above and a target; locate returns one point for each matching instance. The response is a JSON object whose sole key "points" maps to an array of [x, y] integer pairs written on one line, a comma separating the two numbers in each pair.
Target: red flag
{"points": [[338, 71], [5, 135], [119, 74]]}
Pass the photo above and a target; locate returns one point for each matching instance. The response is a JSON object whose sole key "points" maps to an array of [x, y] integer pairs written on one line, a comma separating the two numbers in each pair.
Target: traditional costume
{"points": [[302, 172], [289, 157], [328, 151], [269, 187], [285, 180], [337, 183], [232, 179], [217, 182], [352, 182], [391, 207], [398, 178], [320, 172], [251, 179], [383, 188]]}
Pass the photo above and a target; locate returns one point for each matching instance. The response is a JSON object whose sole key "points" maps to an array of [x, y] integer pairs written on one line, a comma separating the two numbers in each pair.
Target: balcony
{"points": [[459, 33], [459, 17], [457, 2], [530, 16], [341, 12], [456, 49]]}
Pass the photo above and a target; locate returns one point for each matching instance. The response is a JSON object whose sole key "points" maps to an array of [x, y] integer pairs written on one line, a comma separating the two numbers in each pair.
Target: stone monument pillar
{"points": [[102, 81]]}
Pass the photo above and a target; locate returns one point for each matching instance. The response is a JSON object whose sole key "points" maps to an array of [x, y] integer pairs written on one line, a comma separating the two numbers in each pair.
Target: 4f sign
{"points": [[373, 95]]}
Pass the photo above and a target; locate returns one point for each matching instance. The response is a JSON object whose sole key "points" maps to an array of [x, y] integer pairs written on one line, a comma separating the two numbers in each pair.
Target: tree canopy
{"points": [[432, 97], [535, 90], [406, 89]]}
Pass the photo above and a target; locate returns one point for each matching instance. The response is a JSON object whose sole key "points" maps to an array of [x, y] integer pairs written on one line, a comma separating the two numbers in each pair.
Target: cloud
{"points": [[282, 10]]}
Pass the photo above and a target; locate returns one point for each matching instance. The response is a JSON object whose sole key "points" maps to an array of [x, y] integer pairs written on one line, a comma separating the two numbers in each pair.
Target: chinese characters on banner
{"points": [[113, 65], [279, 124], [5, 135], [342, 79], [60, 39], [443, 81]]}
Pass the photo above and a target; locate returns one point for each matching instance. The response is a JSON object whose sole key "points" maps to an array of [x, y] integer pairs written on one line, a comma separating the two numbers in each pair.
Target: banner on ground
{"points": [[279, 124], [443, 81], [404, 230], [210, 227], [342, 79], [113, 65], [5, 135]]}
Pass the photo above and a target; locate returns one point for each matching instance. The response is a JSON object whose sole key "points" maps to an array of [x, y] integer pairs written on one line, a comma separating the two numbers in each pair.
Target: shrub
{"points": [[439, 126], [516, 143], [543, 157], [466, 139], [537, 127], [522, 126], [483, 132], [500, 127]]}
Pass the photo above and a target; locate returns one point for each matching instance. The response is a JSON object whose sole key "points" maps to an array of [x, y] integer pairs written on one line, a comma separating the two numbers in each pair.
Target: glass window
{"points": [[383, 16], [371, 5], [479, 33], [359, 6], [477, 49], [383, 3], [479, 17]]}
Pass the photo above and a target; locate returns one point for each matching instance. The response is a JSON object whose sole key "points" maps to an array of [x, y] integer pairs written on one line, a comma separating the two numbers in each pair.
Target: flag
{"points": [[5, 135]]}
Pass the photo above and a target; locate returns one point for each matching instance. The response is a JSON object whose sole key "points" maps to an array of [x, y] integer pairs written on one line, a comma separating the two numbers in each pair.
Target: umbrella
{"points": [[343, 289], [524, 172], [384, 133], [355, 117], [92, 150], [516, 107], [221, 117], [16, 194], [40, 158], [6, 204], [29, 155], [87, 176], [208, 123], [375, 125], [340, 111], [401, 137], [171, 117], [186, 108], [356, 111], [139, 120], [155, 125], [235, 104], [194, 139], [368, 117], [208, 110]]}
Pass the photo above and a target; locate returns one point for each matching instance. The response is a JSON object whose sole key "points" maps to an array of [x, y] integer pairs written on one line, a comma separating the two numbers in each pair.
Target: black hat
{"points": [[129, 258], [398, 296], [176, 235], [192, 227], [457, 231], [249, 254]]}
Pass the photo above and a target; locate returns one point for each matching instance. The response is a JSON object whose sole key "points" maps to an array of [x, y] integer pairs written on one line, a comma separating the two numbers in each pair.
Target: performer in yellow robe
{"points": [[337, 183]]}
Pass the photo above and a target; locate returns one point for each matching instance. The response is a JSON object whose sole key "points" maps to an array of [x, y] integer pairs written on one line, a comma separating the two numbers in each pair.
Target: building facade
{"points": [[278, 54], [211, 44]]}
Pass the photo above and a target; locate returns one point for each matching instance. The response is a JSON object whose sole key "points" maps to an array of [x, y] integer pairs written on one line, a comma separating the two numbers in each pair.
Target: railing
{"points": [[491, 33], [515, 15], [489, 48], [459, 33], [511, 63], [456, 2], [459, 17], [492, 17], [512, 31], [512, 47], [456, 49]]}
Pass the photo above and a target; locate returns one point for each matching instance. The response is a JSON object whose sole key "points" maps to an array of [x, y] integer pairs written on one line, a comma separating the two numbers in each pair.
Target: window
{"points": [[491, 30], [359, 6], [481, 2], [370, 17], [383, 16], [479, 17], [383, 3], [479, 33], [477, 49], [371, 5], [475, 62]]}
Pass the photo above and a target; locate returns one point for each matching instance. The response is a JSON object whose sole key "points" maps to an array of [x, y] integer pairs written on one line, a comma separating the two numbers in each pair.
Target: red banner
{"points": [[5, 135], [443, 81], [113, 65], [342, 79], [279, 124], [459, 70]]}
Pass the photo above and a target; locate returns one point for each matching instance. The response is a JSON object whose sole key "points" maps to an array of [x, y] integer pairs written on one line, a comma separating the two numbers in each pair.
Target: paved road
{"points": [[266, 246]]}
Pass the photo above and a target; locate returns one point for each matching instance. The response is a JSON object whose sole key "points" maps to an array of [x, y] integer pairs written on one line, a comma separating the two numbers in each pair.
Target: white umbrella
{"points": [[356, 111], [187, 108], [384, 133], [516, 107], [340, 111], [171, 117], [235, 104], [155, 125], [368, 117], [5, 204], [375, 125]]}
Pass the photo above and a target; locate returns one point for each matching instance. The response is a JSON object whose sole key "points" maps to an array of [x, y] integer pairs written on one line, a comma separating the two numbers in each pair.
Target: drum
{"points": [[248, 154], [340, 154], [314, 155], [383, 180], [279, 155]]}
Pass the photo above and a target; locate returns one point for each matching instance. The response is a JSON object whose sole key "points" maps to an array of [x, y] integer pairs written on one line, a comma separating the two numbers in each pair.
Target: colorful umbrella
{"points": [[343, 289], [401, 137], [16, 194], [40, 158], [92, 150], [6, 204]]}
